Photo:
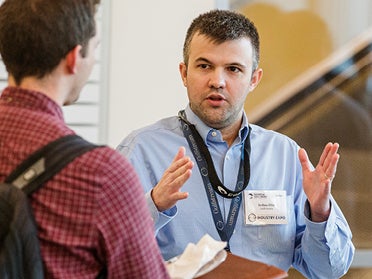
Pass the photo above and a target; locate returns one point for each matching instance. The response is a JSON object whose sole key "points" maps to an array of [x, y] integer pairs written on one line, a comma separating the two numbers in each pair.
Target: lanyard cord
{"points": [[212, 183], [199, 146]]}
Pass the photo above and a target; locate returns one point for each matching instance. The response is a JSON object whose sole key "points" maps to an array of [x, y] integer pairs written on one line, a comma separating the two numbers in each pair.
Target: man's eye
{"points": [[234, 69], [204, 66]]}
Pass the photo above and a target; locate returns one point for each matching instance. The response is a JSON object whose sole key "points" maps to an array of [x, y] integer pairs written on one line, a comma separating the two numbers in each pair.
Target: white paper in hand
{"points": [[197, 259]]}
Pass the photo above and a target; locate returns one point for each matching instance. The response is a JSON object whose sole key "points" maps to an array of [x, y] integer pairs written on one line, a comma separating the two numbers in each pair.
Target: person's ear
{"points": [[72, 59], [183, 72], [256, 78]]}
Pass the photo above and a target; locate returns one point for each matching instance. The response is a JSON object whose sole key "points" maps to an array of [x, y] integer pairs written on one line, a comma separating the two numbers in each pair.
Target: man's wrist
{"points": [[319, 216]]}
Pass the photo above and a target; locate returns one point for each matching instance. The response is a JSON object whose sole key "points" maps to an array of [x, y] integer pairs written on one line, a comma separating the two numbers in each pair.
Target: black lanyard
{"points": [[211, 181]]}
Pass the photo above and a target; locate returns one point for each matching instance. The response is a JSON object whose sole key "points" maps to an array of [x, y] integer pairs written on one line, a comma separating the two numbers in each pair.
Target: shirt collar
{"points": [[29, 99], [205, 130]]}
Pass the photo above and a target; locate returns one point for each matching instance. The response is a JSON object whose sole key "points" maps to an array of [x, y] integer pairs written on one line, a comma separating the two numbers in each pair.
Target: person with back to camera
{"points": [[240, 171], [91, 216]]}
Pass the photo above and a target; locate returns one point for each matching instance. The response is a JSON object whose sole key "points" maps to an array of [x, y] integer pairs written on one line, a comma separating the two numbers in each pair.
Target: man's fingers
{"points": [[182, 177], [179, 161], [325, 153], [179, 176], [304, 159], [168, 191], [180, 153], [327, 157], [330, 171], [180, 196]]}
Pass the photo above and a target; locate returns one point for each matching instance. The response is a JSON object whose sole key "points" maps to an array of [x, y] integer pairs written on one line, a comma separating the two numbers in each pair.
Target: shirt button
{"points": [[214, 133]]}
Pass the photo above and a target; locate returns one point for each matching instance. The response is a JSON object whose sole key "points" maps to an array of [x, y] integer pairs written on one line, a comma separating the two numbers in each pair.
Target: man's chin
{"points": [[70, 101]]}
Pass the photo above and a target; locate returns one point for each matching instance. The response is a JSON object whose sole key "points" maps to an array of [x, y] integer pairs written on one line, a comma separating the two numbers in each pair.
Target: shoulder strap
{"points": [[47, 161]]}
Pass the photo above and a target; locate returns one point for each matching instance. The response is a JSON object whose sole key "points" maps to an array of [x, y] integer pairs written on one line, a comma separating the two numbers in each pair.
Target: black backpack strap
{"points": [[47, 161]]}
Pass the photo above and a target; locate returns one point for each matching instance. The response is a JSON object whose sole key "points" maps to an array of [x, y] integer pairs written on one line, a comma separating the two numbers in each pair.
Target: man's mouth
{"points": [[215, 99]]}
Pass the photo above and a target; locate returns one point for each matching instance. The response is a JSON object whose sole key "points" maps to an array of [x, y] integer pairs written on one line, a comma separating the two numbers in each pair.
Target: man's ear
{"points": [[183, 72], [255, 79], [72, 58]]}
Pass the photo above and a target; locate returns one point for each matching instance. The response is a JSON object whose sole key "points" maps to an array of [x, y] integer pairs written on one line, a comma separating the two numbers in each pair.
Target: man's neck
{"points": [[40, 85], [231, 132]]}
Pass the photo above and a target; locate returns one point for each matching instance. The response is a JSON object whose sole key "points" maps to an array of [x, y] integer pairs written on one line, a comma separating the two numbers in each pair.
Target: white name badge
{"points": [[265, 207]]}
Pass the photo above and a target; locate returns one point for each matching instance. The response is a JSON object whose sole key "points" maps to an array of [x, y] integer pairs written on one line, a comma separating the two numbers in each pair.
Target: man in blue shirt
{"points": [[253, 188]]}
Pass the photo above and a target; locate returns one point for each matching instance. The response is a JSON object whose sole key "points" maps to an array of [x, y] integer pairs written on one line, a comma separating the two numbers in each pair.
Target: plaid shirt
{"points": [[91, 214]]}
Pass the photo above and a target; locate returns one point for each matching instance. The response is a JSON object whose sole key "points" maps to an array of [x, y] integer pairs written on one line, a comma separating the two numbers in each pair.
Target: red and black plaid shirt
{"points": [[91, 214]]}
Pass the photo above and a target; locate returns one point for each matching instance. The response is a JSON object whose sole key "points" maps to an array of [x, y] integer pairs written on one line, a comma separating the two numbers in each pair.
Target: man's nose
{"points": [[217, 79]]}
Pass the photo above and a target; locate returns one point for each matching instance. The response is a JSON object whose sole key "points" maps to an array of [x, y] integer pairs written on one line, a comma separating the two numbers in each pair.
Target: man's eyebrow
{"points": [[236, 64], [202, 59]]}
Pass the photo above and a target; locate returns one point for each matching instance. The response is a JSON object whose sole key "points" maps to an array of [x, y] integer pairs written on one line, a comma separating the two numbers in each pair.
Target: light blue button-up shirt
{"points": [[318, 250]]}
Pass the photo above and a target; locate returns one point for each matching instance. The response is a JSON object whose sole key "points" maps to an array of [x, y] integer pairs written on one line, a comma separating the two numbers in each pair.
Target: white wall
{"points": [[346, 19], [145, 49]]}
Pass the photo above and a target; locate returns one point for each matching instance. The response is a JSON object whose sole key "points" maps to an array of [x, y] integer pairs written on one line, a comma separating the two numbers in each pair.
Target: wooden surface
{"points": [[239, 268]]}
